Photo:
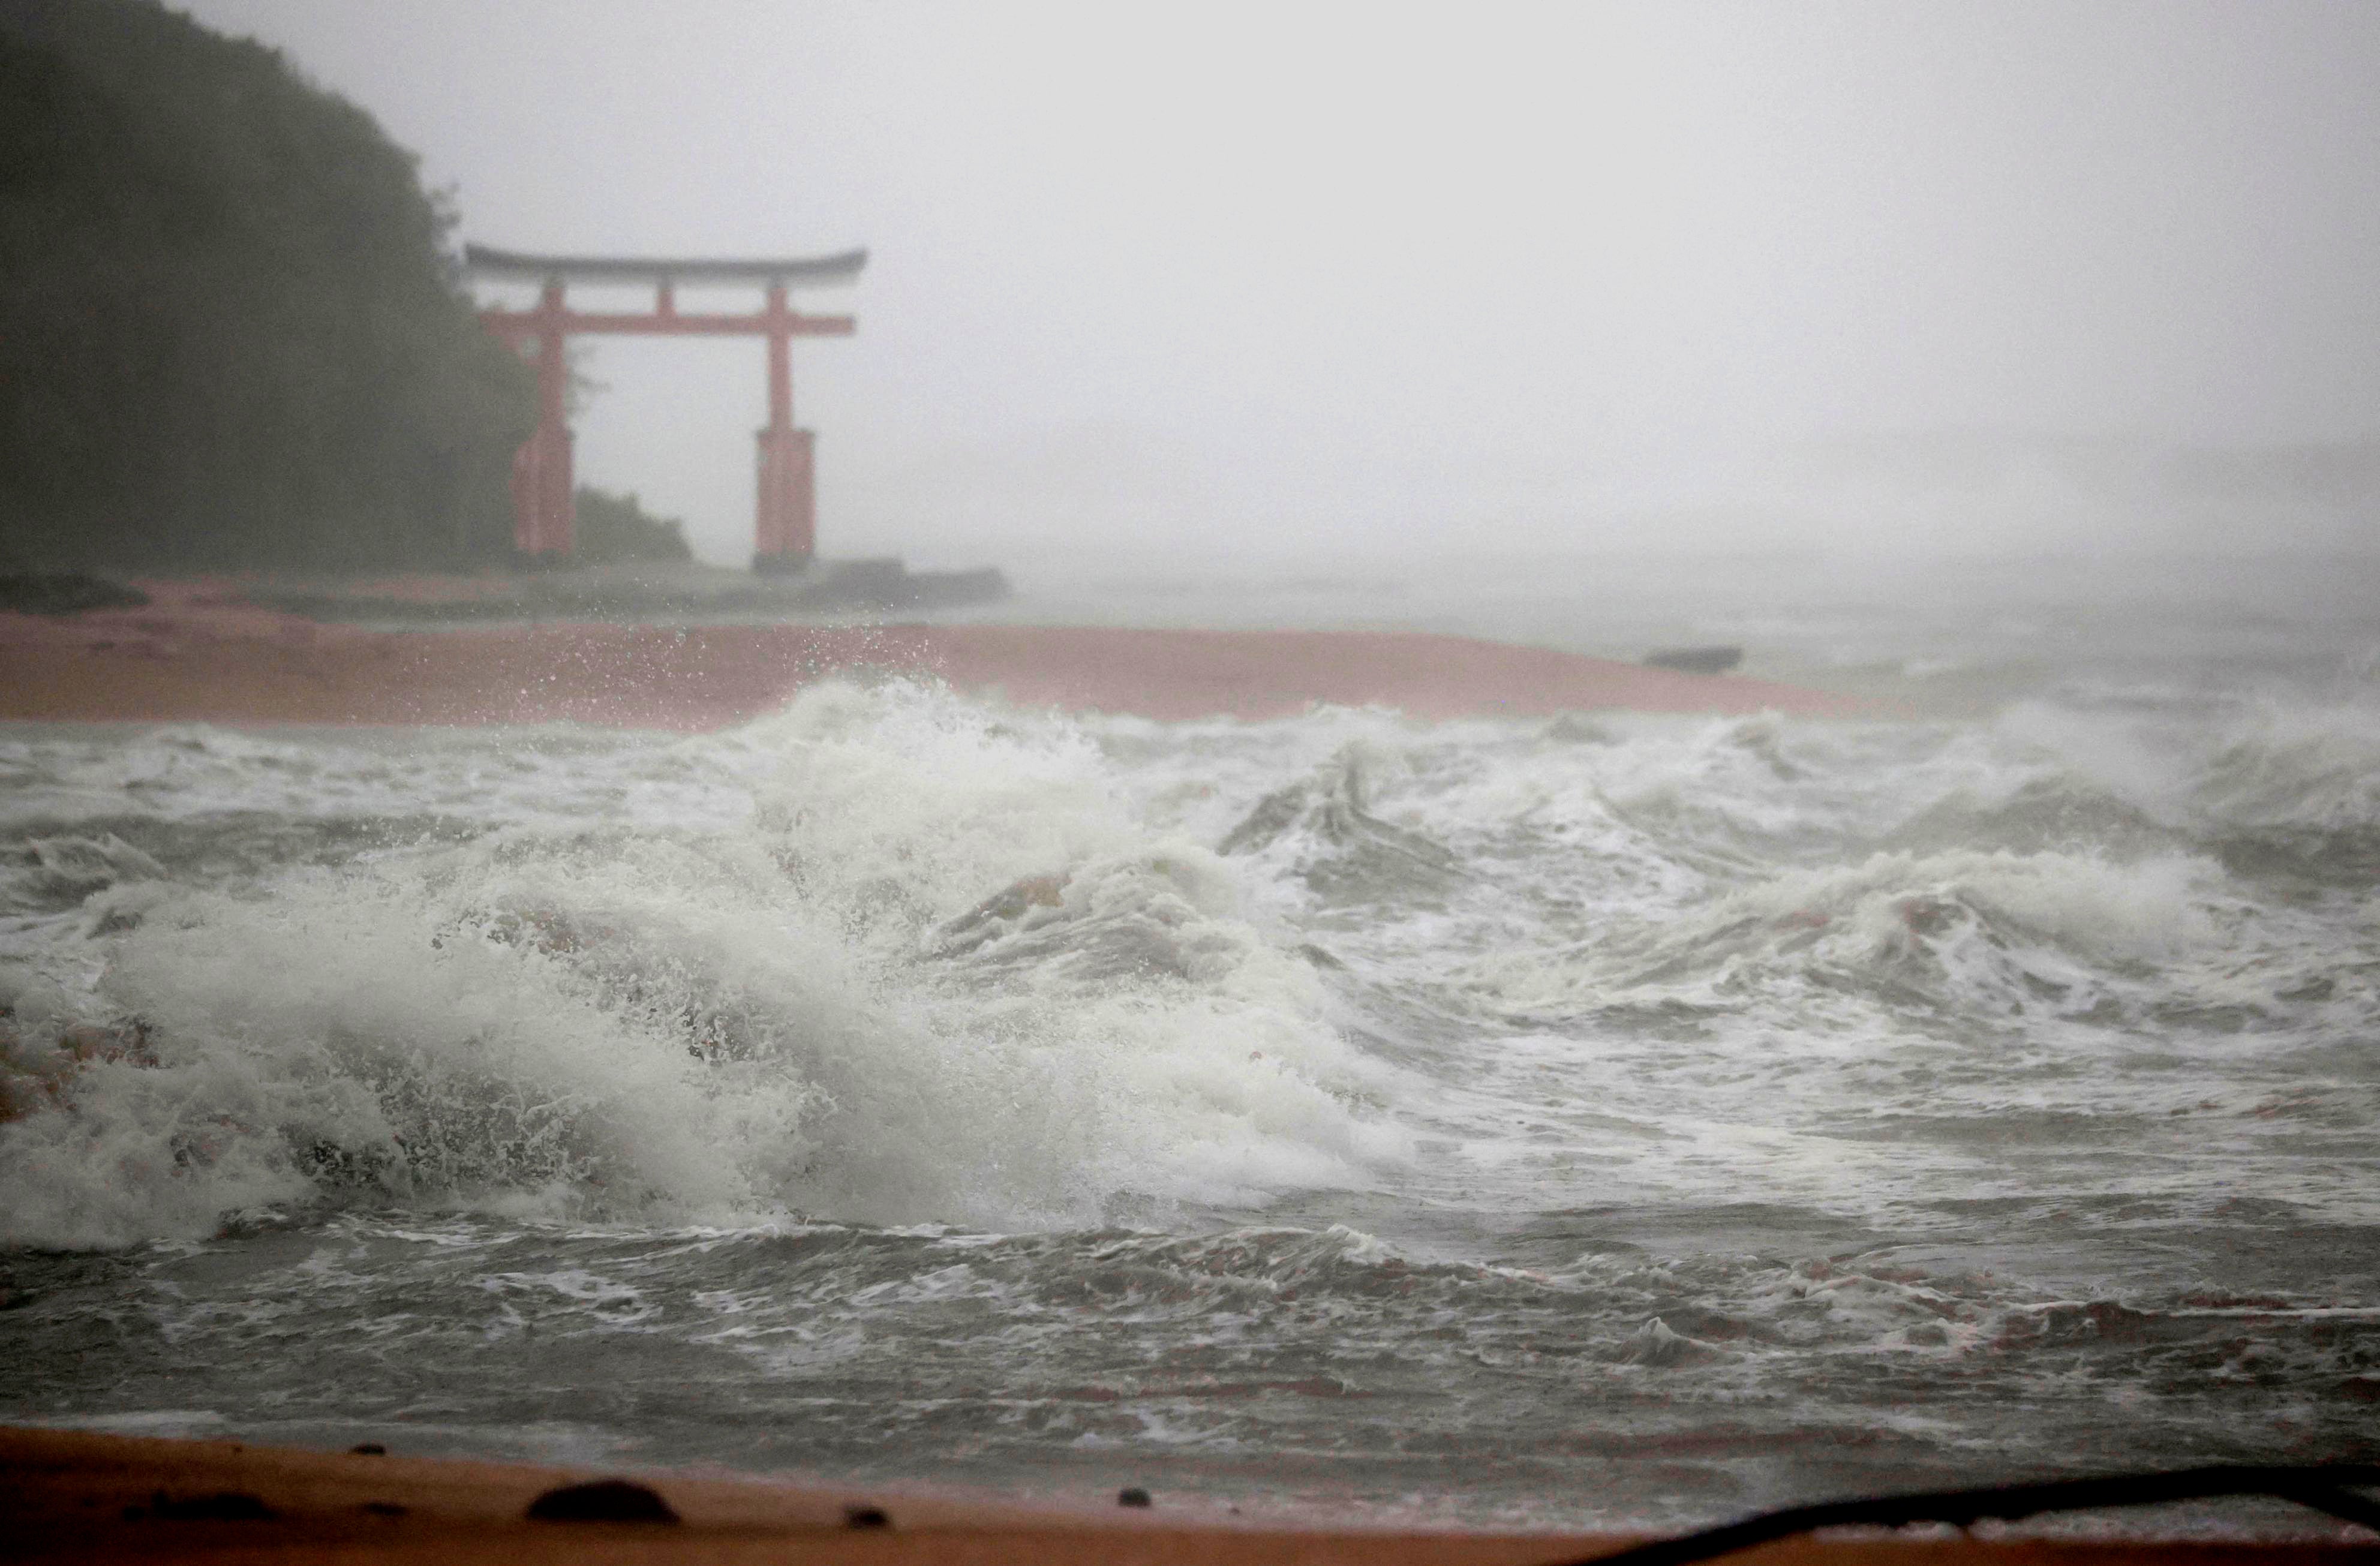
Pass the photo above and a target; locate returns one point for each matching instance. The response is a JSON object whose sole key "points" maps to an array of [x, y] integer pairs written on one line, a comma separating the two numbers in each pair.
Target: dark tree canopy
{"points": [[230, 334]]}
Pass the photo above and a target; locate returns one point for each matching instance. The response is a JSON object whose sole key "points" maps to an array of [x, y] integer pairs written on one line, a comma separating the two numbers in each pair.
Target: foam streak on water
{"points": [[1642, 1120]]}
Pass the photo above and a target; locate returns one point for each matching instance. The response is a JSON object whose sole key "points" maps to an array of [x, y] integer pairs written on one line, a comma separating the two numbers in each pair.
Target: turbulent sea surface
{"points": [[1604, 1120]]}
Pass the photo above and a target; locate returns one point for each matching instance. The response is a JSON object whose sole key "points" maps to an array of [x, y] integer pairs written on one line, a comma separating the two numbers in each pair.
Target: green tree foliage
{"points": [[617, 527], [231, 333]]}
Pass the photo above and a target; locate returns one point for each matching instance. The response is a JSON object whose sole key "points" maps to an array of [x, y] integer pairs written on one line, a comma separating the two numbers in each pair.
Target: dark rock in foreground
{"points": [[606, 1501]]}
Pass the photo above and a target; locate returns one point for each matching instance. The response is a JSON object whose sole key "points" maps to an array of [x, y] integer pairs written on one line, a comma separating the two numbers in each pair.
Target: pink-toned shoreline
{"points": [[83, 1496], [197, 654]]}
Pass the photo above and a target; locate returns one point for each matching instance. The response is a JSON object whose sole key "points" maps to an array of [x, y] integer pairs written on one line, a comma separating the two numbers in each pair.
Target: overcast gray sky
{"points": [[1384, 276]]}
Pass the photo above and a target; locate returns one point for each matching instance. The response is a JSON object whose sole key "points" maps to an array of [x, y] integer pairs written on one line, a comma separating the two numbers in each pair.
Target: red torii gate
{"points": [[785, 521]]}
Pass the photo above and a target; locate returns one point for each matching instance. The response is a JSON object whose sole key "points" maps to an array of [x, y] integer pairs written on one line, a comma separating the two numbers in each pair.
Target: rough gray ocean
{"points": [[1594, 1122]]}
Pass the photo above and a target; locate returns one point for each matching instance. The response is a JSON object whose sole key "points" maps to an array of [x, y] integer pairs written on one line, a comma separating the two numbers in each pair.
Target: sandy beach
{"points": [[77, 1495], [197, 652]]}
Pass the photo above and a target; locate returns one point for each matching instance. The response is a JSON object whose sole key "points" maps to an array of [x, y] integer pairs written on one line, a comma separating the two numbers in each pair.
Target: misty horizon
{"points": [[1392, 280]]}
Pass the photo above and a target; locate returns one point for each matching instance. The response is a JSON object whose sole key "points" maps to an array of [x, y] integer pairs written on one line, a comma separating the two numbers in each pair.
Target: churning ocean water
{"points": [[1602, 1121]]}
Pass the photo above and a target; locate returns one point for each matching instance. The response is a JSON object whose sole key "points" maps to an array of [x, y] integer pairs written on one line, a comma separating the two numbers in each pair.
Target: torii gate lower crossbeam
{"points": [[785, 529]]}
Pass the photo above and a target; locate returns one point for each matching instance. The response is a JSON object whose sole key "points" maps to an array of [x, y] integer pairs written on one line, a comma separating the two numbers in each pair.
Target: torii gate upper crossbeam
{"points": [[785, 528]]}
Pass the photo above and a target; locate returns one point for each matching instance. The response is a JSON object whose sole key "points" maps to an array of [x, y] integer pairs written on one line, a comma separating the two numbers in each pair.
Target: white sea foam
{"points": [[1707, 1110], [633, 1019]]}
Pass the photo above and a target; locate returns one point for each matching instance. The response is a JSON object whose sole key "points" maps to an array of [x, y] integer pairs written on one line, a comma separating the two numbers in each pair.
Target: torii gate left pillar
{"points": [[784, 524], [545, 514]]}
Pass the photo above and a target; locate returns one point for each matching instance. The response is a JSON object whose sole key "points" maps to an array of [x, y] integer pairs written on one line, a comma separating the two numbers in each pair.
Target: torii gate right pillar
{"points": [[785, 526]]}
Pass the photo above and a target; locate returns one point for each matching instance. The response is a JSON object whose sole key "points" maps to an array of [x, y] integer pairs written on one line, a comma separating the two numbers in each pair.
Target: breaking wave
{"points": [[1689, 1112], [820, 1013]]}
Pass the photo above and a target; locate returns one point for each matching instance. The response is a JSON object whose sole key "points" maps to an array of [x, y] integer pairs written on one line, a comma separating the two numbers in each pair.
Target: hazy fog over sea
{"points": [[1373, 279]]}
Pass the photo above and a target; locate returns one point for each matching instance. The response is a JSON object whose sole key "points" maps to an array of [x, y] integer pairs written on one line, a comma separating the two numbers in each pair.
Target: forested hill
{"points": [[230, 334]]}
